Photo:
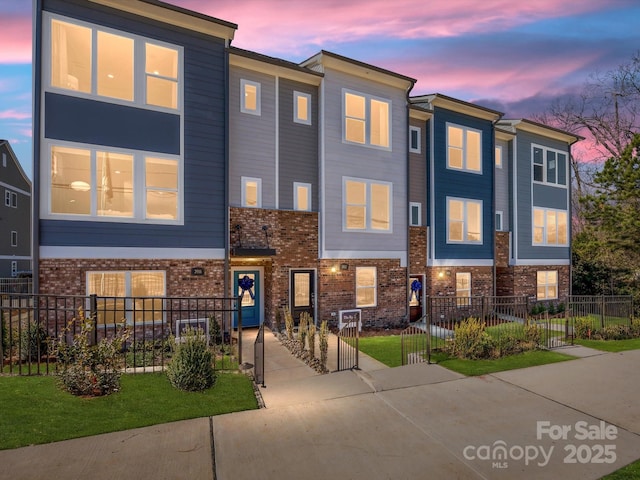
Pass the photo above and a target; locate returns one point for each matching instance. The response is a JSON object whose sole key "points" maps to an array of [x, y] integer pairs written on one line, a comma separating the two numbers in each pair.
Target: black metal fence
{"points": [[258, 357], [348, 344], [30, 323], [512, 319]]}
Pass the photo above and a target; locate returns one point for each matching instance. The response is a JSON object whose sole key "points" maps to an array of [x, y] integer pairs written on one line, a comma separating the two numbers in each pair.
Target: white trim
{"points": [[550, 262], [14, 257], [462, 262], [567, 173], [243, 108], [465, 221], [243, 194], [465, 149], [308, 186], [546, 227], [418, 149], [367, 119], [14, 189], [136, 253], [411, 206], [500, 213], [368, 206], [499, 148], [374, 286], [296, 118], [366, 254], [14, 236]]}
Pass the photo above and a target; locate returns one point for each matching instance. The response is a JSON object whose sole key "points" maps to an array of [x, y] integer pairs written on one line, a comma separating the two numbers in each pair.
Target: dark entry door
{"points": [[247, 285], [302, 293], [415, 297]]}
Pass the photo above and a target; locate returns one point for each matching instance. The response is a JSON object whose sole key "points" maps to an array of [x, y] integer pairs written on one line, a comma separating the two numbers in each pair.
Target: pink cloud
{"points": [[15, 38], [14, 115]]}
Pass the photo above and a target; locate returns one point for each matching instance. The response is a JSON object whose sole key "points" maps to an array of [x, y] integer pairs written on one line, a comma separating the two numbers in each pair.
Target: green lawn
{"points": [[610, 345], [35, 410], [384, 348], [630, 472]]}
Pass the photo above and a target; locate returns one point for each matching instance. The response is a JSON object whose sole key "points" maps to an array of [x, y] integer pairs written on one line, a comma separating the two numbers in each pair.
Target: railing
{"points": [[32, 322], [258, 357], [415, 344], [16, 285]]}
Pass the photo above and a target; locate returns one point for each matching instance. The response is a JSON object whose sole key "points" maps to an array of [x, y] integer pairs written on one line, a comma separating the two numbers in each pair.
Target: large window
{"points": [[302, 196], [367, 205], [302, 108], [131, 296], [251, 192], [366, 290], [464, 220], [98, 61], [550, 227], [89, 182], [464, 149], [547, 282], [367, 120], [249, 97], [549, 166], [463, 288]]}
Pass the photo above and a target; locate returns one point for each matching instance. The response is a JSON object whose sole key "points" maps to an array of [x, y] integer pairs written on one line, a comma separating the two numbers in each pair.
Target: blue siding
{"points": [[451, 183], [204, 142], [100, 123]]}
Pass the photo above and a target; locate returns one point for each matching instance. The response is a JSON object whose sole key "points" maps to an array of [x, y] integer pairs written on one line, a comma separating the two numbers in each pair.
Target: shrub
{"points": [[215, 331], [323, 340], [582, 327], [4, 337], [311, 333], [533, 334], [302, 329], [191, 367], [33, 342], [87, 369], [470, 340], [288, 323]]}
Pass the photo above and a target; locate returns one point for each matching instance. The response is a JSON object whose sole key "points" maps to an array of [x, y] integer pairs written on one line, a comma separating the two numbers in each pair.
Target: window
{"points": [[4, 159], [464, 149], [463, 288], [366, 291], [550, 227], [14, 239], [107, 184], [249, 97], [549, 166], [499, 157], [499, 226], [302, 196], [124, 291], [366, 120], [414, 139], [302, 108], [10, 199], [251, 192], [464, 221], [547, 284], [367, 205], [415, 214], [98, 61]]}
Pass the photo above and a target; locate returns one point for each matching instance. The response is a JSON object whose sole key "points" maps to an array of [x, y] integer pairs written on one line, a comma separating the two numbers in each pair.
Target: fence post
{"points": [[602, 307], [239, 310], [93, 306]]}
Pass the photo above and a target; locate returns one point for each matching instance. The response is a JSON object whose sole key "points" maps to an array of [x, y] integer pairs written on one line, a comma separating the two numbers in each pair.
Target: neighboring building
{"points": [[161, 150], [15, 219]]}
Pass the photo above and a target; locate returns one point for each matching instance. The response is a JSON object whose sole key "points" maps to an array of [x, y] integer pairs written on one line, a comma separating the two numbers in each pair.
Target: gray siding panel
{"points": [[418, 170], [298, 145], [502, 193], [203, 139]]}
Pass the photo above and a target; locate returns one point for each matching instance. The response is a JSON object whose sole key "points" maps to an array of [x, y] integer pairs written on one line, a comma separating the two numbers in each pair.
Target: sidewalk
{"points": [[417, 421]]}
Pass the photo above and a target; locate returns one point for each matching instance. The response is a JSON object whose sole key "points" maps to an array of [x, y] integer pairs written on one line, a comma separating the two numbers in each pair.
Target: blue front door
{"points": [[247, 286]]}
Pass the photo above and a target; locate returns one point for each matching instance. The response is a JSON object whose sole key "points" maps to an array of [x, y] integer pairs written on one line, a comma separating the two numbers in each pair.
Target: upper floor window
{"points": [[550, 227], [99, 183], [498, 155], [249, 97], [367, 119], [464, 149], [98, 61], [251, 195], [415, 214], [302, 196], [14, 239], [366, 283], [549, 166], [367, 205], [464, 220], [10, 199], [414, 139], [302, 108]]}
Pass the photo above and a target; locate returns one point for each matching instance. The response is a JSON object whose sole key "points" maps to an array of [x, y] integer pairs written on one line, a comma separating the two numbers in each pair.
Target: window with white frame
{"points": [[498, 155], [499, 224], [367, 205], [98, 183], [131, 296], [14, 238], [415, 134], [550, 227], [302, 196], [366, 287], [4, 159], [463, 288], [547, 283], [96, 60], [249, 97], [10, 199], [549, 166], [302, 108], [367, 119], [464, 220], [415, 214], [464, 149], [251, 192]]}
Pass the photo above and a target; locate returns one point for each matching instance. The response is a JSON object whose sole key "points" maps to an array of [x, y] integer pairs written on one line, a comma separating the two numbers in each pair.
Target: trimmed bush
{"points": [[191, 368], [470, 340], [33, 342]]}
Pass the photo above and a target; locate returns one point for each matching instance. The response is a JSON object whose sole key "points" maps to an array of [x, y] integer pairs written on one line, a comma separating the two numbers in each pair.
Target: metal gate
{"points": [[258, 357], [348, 337]]}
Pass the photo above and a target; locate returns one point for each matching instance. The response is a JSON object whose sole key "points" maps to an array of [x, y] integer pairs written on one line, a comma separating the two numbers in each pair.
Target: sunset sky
{"points": [[512, 56]]}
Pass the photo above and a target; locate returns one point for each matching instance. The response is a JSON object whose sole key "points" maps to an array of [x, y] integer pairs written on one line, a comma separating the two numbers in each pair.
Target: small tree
{"points": [[191, 367]]}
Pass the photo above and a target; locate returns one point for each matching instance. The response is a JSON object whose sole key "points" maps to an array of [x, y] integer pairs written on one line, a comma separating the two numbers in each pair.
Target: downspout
{"points": [[570, 225], [36, 85], [407, 203], [227, 213], [493, 202]]}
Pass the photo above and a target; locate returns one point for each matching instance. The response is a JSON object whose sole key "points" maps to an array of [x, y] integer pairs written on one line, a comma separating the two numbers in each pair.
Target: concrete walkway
{"points": [[572, 420]]}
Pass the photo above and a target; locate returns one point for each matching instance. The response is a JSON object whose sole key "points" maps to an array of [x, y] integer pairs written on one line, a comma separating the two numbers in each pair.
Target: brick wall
{"points": [[502, 249], [417, 250], [441, 281]]}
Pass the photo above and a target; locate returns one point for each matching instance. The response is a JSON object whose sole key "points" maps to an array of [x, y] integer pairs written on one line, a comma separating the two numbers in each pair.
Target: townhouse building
{"points": [[15, 219], [168, 163]]}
